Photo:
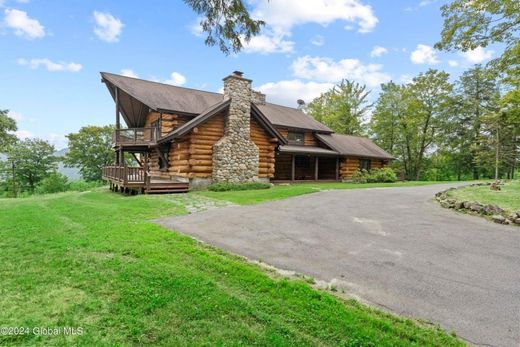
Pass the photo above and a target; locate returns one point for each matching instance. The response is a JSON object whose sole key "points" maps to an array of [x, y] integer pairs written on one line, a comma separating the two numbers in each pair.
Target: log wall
{"points": [[154, 165], [266, 149], [349, 165], [169, 122], [192, 155]]}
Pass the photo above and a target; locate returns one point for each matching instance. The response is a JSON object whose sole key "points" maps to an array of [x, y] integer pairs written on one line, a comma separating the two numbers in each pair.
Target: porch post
{"points": [[118, 120], [146, 176], [316, 161], [292, 167], [121, 157], [337, 168]]}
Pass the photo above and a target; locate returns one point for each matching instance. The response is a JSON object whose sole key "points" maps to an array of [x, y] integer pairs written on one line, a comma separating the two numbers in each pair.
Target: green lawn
{"points": [[93, 260], [280, 191], [508, 198]]}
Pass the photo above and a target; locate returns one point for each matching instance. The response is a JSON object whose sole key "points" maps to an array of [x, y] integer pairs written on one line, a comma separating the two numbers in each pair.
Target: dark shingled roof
{"points": [[306, 150], [291, 118], [354, 146], [165, 97]]}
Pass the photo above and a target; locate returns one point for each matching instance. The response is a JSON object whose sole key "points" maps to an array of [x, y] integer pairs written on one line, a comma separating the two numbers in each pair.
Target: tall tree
{"points": [[343, 108], [478, 94], [34, 159], [431, 94], [90, 149], [409, 120], [389, 110], [501, 136], [227, 24], [7, 126]]}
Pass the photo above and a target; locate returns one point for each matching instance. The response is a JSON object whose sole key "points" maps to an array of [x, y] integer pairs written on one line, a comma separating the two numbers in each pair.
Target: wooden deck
{"points": [[135, 179]]}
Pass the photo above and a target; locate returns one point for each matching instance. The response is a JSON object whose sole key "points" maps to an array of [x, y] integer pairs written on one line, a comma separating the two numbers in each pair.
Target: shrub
{"points": [[385, 174], [360, 176], [54, 183], [376, 175], [223, 187], [81, 186]]}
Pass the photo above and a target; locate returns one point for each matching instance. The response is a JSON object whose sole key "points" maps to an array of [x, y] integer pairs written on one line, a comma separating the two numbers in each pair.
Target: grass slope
{"points": [[281, 191], [92, 260], [508, 197]]}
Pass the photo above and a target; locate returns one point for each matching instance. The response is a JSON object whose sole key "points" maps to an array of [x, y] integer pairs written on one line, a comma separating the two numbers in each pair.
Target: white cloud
{"points": [[108, 28], [59, 141], [427, 2], [176, 79], [453, 63], [424, 54], [129, 73], [329, 70], [285, 14], [16, 116], [23, 134], [287, 92], [50, 65], [405, 78], [268, 43], [318, 40], [478, 55], [23, 25], [378, 51]]}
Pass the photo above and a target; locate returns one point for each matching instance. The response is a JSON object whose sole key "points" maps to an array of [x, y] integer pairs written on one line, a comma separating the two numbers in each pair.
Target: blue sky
{"points": [[51, 52]]}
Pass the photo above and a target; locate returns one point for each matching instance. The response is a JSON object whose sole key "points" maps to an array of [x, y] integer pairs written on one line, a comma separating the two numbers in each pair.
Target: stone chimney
{"points": [[257, 97], [235, 155]]}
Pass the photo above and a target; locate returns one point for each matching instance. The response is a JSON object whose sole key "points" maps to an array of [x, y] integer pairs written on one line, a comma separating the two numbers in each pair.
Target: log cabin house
{"points": [[184, 138]]}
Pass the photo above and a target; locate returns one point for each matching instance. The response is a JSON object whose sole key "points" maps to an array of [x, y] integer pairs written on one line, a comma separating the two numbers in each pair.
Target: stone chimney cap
{"points": [[238, 73], [300, 102]]}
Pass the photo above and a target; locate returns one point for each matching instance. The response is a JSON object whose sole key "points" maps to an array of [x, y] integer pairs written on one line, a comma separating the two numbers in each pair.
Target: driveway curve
{"points": [[390, 247]]}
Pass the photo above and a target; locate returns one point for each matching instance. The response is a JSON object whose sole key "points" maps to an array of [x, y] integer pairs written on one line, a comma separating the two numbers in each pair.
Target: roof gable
{"points": [[291, 118], [168, 98], [164, 97]]}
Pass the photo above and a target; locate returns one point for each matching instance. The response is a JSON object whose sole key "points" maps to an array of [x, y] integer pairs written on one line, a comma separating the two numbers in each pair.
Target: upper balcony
{"points": [[135, 136]]}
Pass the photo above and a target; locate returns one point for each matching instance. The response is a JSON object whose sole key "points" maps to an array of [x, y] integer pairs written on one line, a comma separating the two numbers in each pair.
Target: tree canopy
{"points": [[34, 160], [469, 24], [227, 24], [343, 108], [7, 126], [90, 149]]}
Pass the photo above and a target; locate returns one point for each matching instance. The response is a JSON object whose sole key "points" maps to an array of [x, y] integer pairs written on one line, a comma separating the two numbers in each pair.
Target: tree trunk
{"points": [[497, 154]]}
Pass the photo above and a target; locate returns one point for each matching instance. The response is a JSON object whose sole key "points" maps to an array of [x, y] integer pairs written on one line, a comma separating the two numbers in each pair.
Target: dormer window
{"points": [[295, 137]]}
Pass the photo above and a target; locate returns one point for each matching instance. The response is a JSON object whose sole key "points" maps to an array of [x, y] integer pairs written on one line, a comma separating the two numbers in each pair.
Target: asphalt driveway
{"points": [[391, 247]]}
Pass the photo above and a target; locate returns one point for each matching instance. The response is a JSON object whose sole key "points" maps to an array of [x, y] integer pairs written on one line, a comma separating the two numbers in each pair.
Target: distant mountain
{"points": [[72, 173]]}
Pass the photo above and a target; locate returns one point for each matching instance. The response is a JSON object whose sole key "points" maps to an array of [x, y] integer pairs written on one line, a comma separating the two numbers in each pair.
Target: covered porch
{"points": [[294, 163]]}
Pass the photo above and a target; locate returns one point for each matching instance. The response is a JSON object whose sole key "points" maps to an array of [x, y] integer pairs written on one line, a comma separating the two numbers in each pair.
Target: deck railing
{"points": [[135, 136], [125, 174]]}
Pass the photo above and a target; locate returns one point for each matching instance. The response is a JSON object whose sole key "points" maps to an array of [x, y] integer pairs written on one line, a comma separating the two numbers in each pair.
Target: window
{"points": [[301, 161], [364, 164], [294, 137]]}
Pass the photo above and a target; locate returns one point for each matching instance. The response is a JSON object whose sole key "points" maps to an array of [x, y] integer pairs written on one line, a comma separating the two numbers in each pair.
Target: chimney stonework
{"points": [[235, 155], [257, 97]]}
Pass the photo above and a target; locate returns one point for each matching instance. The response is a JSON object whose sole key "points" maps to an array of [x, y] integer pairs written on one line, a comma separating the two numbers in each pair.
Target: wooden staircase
{"points": [[167, 187]]}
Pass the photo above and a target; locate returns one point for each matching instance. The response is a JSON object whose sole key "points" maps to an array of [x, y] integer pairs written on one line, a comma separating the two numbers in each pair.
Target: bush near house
{"points": [[384, 175], [224, 187]]}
